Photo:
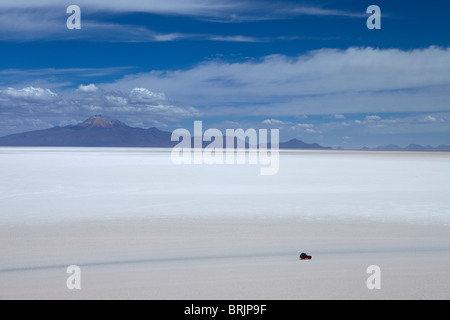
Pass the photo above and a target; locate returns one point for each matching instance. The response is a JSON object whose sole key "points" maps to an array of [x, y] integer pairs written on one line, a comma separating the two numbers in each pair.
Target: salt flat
{"points": [[141, 228], [41, 185]]}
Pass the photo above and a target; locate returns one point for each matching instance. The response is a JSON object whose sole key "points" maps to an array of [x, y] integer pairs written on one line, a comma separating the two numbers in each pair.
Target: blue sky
{"points": [[310, 68]]}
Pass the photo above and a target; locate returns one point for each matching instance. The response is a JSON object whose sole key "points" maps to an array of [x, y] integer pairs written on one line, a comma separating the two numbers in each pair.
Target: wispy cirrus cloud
{"points": [[42, 24], [320, 11], [45, 19], [37, 25], [58, 79], [227, 10]]}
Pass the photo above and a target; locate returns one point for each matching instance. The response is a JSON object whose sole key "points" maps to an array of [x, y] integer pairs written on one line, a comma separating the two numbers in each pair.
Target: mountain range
{"points": [[100, 131], [97, 131], [411, 147]]}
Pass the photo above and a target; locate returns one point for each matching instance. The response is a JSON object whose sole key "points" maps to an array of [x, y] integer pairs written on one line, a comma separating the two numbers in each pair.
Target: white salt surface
{"points": [[141, 228], [40, 185]]}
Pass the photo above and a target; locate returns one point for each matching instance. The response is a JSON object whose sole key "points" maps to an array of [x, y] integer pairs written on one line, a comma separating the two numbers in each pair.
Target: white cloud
{"points": [[28, 95], [435, 119], [92, 109], [29, 25], [318, 11], [363, 81], [357, 80], [304, 128], [33, 74], [430, 119], [152, 6], [166, 37], [39, 24], [238, 38], [372, 118], [116, 101], [33, 20], [304, 125], [222, 10], [273, 122], [139, 105], [87, 89], [145, 96], [141, 102]]}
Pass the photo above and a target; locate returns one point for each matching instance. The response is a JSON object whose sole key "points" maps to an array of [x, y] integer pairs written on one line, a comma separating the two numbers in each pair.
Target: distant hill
{"points": [[97, 131], [100, 131], [411, 147], [295, 144]]}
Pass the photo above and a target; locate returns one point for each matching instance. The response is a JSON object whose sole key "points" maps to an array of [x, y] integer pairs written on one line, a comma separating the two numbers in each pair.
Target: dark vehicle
{"points": [[304, 256]]}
